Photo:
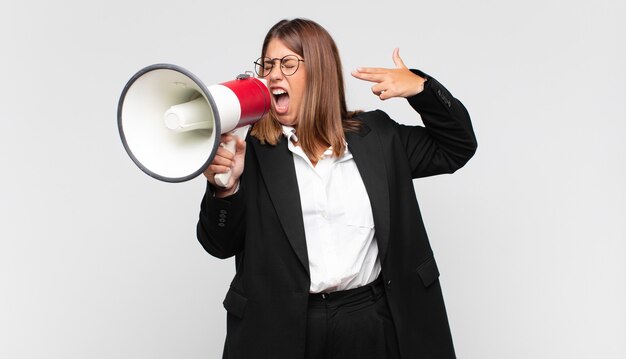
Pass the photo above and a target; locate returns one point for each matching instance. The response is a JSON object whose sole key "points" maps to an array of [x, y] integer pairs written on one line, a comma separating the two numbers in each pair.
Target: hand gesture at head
{"points": [[391, 82]]}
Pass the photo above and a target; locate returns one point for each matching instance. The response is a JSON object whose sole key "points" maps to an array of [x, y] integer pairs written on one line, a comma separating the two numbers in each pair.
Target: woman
{"points": [[320, 213]]}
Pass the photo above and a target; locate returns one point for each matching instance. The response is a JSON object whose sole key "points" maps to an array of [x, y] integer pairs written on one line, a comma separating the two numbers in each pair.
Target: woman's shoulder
{"points": [[368, 115], [375, 119]]}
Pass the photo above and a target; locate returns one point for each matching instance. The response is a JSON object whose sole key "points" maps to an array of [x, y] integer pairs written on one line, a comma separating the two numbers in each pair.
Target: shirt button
{"points": [[221, 224], [388, 284]]}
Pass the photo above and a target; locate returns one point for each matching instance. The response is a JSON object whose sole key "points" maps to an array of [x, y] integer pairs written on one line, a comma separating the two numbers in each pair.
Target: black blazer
{"points": [[262, 226]]}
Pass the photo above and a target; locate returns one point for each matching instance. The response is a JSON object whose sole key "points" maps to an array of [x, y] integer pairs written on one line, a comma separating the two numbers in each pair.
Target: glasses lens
{"points": [[263, 66], [289, 65]]}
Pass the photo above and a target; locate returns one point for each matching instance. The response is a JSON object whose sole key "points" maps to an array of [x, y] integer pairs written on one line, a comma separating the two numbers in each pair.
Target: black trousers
{"points": [[351, 324]]}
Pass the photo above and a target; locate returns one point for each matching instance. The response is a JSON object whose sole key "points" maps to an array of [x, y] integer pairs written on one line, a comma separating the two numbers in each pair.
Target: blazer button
{"points": [[221, 224], [388, 284]]}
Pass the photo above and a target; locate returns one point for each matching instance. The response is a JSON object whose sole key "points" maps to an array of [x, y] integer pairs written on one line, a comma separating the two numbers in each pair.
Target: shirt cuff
{"points": [[230, 195]]}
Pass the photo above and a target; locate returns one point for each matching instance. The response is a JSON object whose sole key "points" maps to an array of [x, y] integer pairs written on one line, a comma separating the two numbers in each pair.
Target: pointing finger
{"points": [[372, 70], [372, 77]]}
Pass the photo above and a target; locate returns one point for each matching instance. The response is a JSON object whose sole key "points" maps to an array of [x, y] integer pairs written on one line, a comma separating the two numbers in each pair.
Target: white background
{"points": [[98, 260]]}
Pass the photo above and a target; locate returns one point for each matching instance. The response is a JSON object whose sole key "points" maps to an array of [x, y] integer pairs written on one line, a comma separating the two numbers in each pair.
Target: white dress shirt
{"points": [[338, 221]]}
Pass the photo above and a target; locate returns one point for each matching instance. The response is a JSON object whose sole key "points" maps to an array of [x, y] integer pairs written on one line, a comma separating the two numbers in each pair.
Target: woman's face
{"points": [[287, 91]]}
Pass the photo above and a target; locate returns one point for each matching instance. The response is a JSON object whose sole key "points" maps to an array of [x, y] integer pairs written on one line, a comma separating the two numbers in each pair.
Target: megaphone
{"points": [[170, 122]]}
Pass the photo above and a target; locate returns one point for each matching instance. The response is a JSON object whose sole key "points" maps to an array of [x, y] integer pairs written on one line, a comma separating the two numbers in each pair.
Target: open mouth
{"points": [[281, 100]]}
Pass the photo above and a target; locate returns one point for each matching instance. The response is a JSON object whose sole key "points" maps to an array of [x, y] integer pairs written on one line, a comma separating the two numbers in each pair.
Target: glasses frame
{"points": [[258, 65]]}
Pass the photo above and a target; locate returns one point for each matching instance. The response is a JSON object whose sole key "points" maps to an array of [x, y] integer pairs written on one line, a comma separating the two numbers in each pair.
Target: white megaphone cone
{"points": [[170, 123]]}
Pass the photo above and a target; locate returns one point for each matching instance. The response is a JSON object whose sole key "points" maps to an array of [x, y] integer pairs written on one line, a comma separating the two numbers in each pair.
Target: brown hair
{"points": [[323, 116]]}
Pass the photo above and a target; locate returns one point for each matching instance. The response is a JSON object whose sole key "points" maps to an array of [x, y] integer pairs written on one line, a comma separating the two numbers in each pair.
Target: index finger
{"points": [[372, 70], [372, 77]]}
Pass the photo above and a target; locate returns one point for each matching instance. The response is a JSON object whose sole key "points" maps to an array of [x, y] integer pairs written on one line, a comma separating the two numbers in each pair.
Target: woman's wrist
{"points": [[221, 192]]}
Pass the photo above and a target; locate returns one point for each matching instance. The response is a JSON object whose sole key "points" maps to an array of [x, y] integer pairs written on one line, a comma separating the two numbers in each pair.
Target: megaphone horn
{"points": [[170, 123]]}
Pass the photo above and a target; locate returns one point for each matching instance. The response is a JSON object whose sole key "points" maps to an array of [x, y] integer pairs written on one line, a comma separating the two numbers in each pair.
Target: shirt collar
{"points": [[290, 133]]}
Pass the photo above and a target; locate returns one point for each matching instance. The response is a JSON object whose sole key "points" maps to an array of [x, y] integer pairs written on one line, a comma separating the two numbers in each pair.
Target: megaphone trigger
{"points": [[222, 179]]}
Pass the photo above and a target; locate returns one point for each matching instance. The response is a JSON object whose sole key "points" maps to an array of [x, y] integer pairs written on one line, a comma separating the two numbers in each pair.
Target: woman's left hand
{"points": [[396, 82]]}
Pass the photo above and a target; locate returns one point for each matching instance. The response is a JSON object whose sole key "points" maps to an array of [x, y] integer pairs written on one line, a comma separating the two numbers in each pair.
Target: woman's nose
{"points": [[275, 73]]}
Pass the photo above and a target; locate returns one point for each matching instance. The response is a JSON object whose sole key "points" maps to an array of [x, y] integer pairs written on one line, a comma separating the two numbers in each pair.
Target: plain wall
{"points": [[98, 260]]}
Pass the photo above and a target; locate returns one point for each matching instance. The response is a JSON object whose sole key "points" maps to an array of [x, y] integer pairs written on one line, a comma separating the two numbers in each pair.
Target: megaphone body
{"points": [[170, 122]]}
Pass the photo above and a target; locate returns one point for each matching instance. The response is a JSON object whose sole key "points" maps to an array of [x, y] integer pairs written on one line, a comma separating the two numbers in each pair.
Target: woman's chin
{"points": [[286, 119]]}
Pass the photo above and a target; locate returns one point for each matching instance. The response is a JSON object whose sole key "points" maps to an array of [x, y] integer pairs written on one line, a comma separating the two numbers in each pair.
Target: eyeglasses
{"points": [[288, 65]]}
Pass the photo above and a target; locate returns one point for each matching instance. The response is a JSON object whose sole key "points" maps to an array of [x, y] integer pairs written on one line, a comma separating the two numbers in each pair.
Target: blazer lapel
{"points": [[367, 150], [279, 173]]}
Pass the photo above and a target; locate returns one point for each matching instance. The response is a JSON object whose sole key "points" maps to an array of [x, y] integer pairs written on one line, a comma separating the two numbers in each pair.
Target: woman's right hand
{"points": [[392, 82], [224, 161]]}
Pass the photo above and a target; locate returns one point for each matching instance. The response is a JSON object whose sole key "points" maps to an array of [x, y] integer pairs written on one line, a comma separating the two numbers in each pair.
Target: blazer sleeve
{"points": [[221, 227], [446, 142]]}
